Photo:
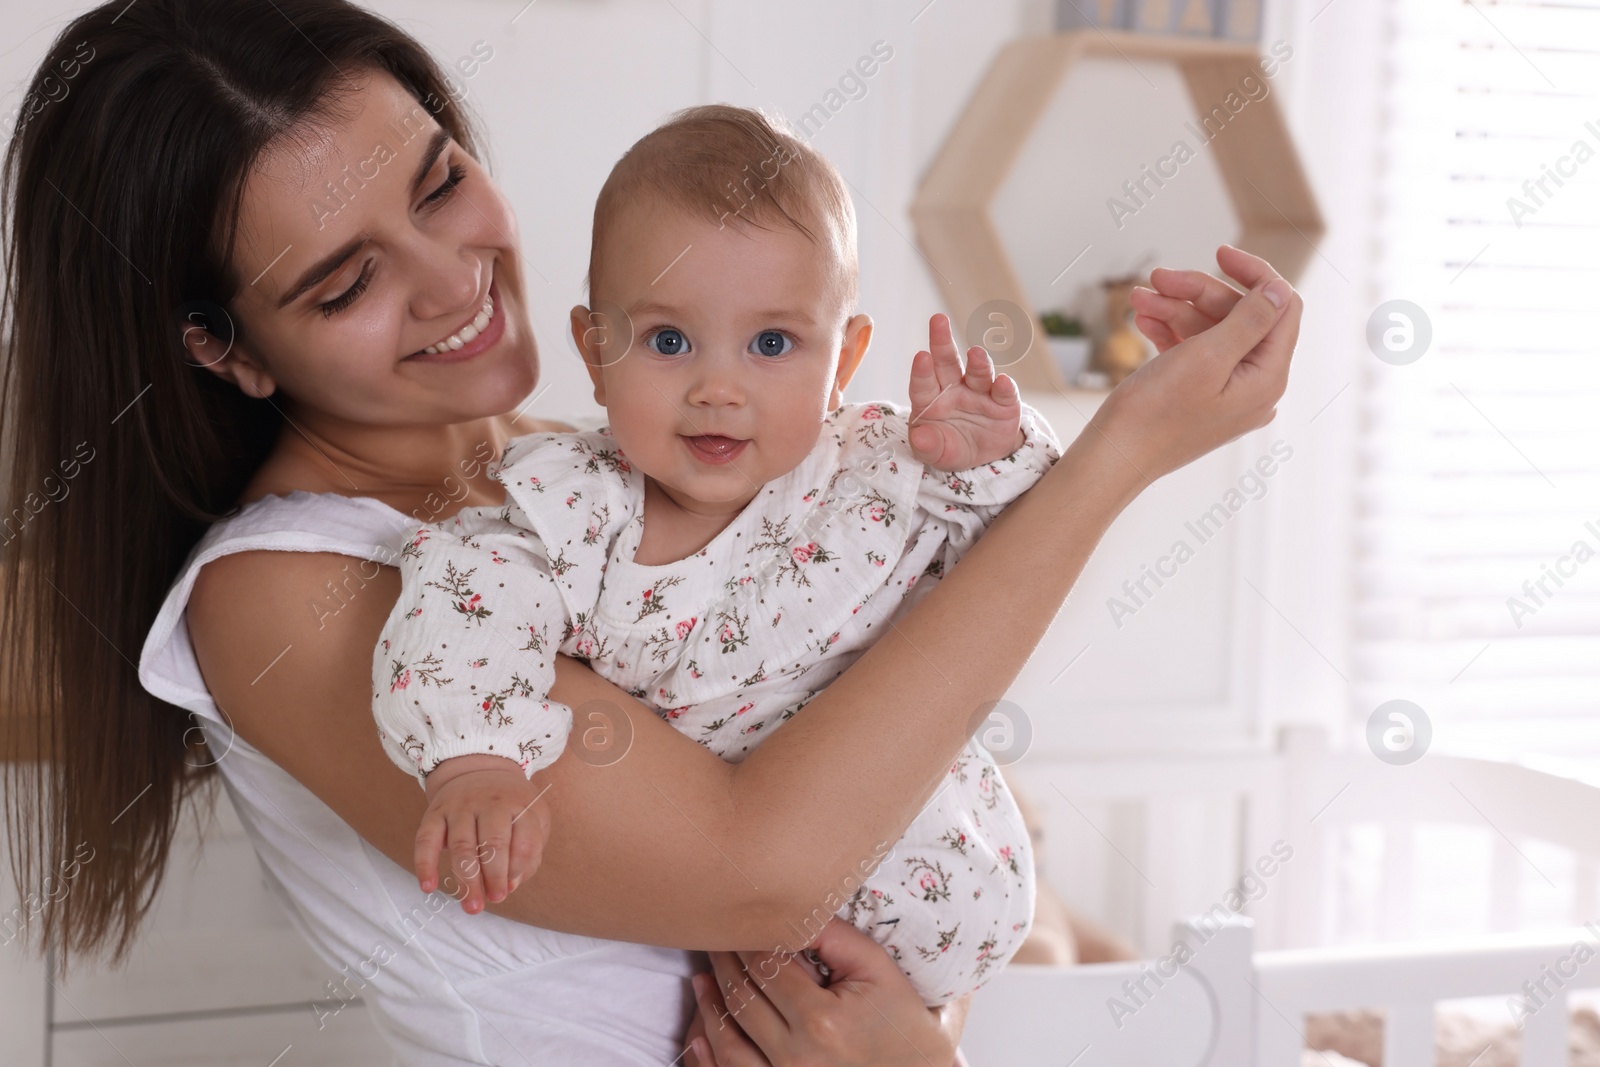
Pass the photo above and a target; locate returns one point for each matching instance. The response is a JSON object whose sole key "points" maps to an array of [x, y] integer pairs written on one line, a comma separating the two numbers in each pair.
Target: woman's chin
{"points": [[491, 392], [506, 384]]}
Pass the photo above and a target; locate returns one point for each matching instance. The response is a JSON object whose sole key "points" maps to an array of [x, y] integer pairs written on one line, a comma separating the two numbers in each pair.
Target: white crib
{"points": [[219, 978], [1232, 1007], [1242, 998]]}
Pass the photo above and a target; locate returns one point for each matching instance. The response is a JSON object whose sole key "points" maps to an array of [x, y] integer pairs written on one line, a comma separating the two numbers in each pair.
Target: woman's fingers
{"points": [[697, 1053], [859, 965], [1181, 317], [869, 1015], [1212, 296], [786, 982], [1272, 355], [744, 996], [851, 955], [1244, 268], [1182, 299], [1257, 312], [724, 1035], [1159, 333]]}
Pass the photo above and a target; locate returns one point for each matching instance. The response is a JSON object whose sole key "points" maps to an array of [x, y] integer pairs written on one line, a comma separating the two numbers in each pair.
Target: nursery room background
{"points": [[1338, 678]]}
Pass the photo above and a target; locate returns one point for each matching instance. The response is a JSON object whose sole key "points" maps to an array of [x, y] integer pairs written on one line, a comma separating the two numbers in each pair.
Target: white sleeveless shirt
{"points": [[444, 987]]}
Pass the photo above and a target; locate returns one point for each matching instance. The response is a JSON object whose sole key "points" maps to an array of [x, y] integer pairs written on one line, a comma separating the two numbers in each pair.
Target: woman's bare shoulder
{"points": [[247, 606]]}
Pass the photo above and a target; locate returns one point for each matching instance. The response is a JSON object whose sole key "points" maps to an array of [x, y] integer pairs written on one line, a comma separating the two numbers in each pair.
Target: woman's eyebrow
{"points": [[323, 267]]}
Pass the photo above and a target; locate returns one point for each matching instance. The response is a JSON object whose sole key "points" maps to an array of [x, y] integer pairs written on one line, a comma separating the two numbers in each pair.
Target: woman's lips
{"points": [[714, 448], [491, 333]]}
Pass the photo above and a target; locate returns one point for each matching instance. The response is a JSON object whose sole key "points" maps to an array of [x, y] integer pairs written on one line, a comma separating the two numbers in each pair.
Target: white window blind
{"points": [[1478, 553]]}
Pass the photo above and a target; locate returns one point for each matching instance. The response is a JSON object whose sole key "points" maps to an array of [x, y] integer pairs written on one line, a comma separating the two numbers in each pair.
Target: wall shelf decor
{"points": [[1260, 171]]}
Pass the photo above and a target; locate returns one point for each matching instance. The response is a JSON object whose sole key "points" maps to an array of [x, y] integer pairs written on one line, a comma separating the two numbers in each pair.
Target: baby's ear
{"points": [[587, 335], [857, 335]]}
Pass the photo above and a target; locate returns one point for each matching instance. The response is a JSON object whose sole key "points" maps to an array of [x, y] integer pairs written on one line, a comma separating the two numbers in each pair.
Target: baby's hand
{"points": [[959, 420], [490, 816]]}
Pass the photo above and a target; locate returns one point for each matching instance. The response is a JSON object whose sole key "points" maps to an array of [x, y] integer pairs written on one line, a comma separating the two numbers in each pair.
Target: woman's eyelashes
{"points": [[453, 179], [348, 297], [671, 341], [457, 174]]}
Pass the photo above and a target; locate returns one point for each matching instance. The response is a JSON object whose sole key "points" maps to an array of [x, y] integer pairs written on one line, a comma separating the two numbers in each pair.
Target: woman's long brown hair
{"points": [[122, 188]]}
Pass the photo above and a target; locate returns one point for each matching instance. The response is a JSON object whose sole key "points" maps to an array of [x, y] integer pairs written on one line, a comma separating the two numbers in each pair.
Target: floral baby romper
{"points": [[726, 644]]}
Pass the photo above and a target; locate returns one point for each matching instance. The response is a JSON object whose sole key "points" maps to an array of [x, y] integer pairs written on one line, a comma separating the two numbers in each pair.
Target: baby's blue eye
{"points": [[668, 342], [771, 343]]}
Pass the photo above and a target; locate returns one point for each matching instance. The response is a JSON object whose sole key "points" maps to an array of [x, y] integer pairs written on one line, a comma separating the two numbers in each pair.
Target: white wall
{"points": [[1211, 661], [1253, 632]]}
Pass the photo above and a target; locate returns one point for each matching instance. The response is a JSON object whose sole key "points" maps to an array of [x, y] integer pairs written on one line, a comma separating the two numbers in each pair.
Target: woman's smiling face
{"points": [[363, 243]]}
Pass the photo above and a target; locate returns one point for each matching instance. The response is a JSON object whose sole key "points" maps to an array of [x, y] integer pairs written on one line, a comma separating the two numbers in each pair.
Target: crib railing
{"points": [[1140, 840], [1226, 1006], [1408, 984]]}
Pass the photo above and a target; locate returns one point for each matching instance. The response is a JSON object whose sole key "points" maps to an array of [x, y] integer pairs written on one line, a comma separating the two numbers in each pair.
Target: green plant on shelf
{"points": [[1059, 324]]}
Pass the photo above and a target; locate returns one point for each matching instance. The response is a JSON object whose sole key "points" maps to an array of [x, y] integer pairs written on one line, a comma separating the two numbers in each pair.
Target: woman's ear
{"points": [[209, 338], [857, 335]]}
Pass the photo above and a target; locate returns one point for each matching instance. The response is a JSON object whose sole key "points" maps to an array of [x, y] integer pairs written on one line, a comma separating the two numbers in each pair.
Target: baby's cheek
{"points": [[651, 456], [642, 428]]}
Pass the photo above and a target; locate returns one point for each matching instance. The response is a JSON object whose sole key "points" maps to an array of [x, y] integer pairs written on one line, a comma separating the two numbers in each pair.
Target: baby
{"points": [[733, 542]]}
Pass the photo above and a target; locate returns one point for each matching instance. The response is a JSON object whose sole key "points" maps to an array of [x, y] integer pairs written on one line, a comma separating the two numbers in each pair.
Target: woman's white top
{"points": [[444, 987]]}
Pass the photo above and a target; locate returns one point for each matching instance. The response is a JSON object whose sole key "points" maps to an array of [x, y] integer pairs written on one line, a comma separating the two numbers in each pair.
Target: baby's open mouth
{"points": [[714, 448]]}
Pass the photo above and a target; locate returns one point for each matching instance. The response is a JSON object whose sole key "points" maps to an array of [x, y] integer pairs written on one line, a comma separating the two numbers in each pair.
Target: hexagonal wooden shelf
{"points": [[1260, 168]]}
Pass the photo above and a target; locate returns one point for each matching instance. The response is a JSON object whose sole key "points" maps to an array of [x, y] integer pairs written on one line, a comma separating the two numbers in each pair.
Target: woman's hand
{"points": [[1223, 364], [759, 1009]]}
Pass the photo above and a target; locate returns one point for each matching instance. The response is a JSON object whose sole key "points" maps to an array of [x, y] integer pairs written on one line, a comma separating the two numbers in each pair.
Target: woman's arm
{"points": [[669, 845]]}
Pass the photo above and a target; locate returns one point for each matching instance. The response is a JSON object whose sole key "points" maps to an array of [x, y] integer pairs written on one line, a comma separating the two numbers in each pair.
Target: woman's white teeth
{"points": [[468, 332]]}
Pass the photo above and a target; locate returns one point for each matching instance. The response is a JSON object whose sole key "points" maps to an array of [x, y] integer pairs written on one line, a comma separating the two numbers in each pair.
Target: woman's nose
{"points": [[448, 287]]}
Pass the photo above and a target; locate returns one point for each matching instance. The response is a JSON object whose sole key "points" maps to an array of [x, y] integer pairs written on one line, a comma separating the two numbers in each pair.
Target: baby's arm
{"points": [[461, 676], [961, 418]]}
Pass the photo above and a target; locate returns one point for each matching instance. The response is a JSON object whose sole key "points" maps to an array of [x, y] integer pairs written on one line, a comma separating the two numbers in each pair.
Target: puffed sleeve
{"points": [[994, 485], [466, 659]]}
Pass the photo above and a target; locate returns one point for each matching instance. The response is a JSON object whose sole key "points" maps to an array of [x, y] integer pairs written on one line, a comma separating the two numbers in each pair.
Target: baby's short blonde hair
{"points": [[733, 165]]}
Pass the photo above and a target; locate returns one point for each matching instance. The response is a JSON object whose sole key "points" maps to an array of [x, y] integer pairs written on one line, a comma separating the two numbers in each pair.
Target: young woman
{"points": [[230, 246]]}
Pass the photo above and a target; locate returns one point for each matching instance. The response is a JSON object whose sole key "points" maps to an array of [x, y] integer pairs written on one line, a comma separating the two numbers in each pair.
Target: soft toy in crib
{"points": [[1355, 1038]]}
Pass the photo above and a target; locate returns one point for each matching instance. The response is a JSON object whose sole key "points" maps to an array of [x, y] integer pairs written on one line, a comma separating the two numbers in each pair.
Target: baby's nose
{"points": [[717, 384]]}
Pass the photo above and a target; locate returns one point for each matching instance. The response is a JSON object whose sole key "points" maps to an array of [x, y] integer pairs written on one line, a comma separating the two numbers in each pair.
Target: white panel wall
{"points": [[571, 83], [1242, 638]]}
